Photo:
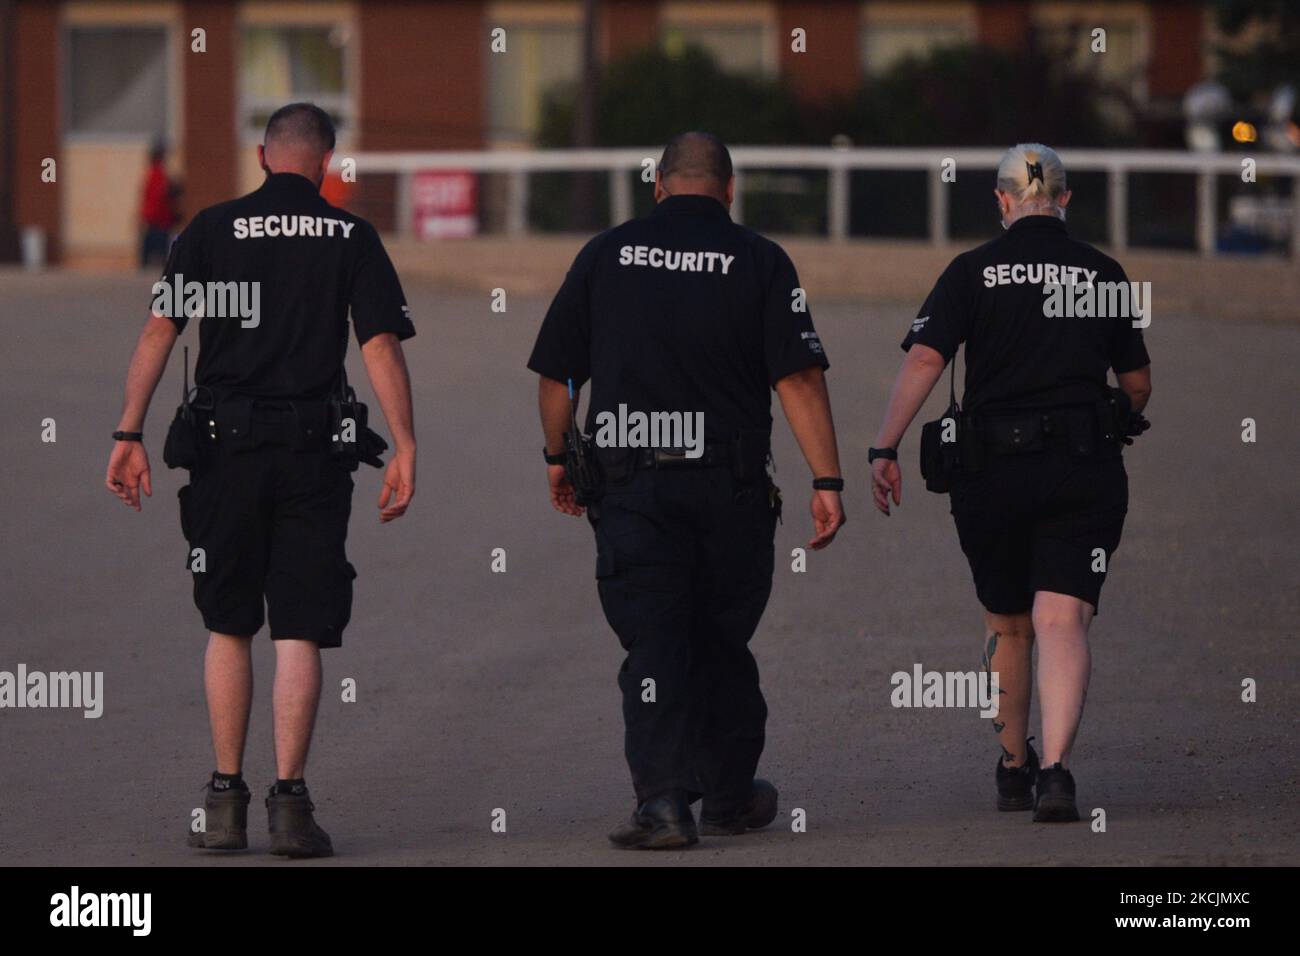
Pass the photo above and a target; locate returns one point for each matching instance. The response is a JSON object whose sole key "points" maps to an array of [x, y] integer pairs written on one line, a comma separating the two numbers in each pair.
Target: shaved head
{"points": [[298, 138], [696, 160]]}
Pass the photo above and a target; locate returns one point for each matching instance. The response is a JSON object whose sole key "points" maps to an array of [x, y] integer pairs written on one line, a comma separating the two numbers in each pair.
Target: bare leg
{"points": [[228, 680], [1008, 652], [297, 692], [1064, 666]]}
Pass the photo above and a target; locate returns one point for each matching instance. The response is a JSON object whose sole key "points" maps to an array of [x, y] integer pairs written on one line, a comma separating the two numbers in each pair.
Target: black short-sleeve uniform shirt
{"points": [[683, 310], [992, 299], [310, 262]]}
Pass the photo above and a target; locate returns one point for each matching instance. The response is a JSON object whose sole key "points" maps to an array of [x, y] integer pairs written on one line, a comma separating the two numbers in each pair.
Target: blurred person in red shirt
{"points": [[158, 213]]}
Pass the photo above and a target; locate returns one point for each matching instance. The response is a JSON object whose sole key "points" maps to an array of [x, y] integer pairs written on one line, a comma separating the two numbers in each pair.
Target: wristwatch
{"points": [[889, 453], [553, 459], [828, 484], [128, 436]]}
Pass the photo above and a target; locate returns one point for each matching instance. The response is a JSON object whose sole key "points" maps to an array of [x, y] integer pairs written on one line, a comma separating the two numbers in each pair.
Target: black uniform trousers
{"points": [[684, 568]]}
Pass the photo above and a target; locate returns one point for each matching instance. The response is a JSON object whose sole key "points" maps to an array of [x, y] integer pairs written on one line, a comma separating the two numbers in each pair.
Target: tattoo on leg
{"points": [[990, 648]]}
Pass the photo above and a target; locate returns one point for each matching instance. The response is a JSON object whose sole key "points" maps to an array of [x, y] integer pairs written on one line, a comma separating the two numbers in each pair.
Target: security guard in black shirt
{"points": [[271, 434], [683, 321], [1032, 456]]}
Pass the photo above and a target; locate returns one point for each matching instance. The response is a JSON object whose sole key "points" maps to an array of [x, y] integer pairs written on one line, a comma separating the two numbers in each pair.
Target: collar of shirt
{"points": [[291, 184], [1049, 223], [689, 204]]}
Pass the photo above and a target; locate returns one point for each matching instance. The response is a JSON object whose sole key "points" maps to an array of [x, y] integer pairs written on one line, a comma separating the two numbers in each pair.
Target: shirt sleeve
{"points": [[945, 319], [563, 347], [790, 343], [187, 261], [377, 301], [1126, 350]]}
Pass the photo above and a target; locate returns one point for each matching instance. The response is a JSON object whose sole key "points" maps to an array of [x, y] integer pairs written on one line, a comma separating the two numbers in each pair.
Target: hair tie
{"points": [[1035, 172]]}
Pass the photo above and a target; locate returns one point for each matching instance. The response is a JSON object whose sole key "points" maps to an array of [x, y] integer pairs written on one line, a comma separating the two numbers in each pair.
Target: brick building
{"points": [[95, 83]]}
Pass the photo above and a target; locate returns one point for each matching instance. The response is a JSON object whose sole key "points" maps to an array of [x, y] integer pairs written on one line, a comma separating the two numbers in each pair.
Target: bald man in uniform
{"points": [[685, 322], [275, 437]]}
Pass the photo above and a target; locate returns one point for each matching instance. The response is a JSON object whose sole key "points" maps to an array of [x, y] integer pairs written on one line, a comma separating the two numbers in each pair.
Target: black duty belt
{"points": [[243, 422], [716, 454], [1084, 429]]}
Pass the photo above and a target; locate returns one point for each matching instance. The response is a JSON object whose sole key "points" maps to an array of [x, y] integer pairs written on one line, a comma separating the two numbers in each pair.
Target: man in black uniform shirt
{"points": [[683, 321], [1041, 493], [266, 510]]}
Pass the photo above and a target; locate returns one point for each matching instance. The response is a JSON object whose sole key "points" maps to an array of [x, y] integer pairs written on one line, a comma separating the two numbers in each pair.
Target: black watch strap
{"points": [[128, 436], [874, 453], [828, 484], [553, 459]]}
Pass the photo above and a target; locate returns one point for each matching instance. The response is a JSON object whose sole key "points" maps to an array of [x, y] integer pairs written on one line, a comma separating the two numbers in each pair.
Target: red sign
{"points": [[444, 204]]}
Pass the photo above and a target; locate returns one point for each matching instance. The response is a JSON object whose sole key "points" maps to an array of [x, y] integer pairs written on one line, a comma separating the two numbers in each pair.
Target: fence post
{"points": [[405, 211], [837, 201], [517, 203], [938, 207], [1295, 217], [737, 201], [1205, 211], [620, 196], [1117, 208]]}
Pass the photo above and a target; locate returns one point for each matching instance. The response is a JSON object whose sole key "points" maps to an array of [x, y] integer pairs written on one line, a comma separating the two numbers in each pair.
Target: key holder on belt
{"points": [[190, 399], [366, 445], [187, 435], [580, 464]]}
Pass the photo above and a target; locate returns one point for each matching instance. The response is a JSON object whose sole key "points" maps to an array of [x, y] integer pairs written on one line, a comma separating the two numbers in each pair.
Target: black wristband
{"points": [[553, 459], [828, 484], [889, 453], [128, 436]]}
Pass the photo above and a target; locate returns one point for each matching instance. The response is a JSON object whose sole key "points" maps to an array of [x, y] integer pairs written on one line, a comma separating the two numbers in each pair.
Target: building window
{"points": [[538, 59], [286, 64], [117, 81], [885, 44], [1121, 66], [740, 47]]}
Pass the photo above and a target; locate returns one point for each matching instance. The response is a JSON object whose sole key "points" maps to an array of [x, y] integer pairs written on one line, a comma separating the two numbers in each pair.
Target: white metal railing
{"points": [[838, 163]]}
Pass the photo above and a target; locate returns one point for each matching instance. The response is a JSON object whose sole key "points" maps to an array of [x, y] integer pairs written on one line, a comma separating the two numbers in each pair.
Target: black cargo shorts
{"points": [[271, 522]]}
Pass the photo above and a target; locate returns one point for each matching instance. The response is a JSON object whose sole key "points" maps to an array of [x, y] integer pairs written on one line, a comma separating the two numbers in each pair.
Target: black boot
{"points": [[661, 823], [1055, 802], [225, 818], [1016, 784], [754, 814], [294, 831]]}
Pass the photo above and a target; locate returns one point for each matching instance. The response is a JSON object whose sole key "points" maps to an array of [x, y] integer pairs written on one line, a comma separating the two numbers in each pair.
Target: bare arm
{"points": [[807, 406], [922, 367], [128, 465], [1137, 385], [386, 366], [554, 405], [146, 369]]}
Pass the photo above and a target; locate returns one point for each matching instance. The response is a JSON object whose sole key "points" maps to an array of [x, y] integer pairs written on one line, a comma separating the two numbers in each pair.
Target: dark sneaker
{"points": [[1016, 784], [661, 823], [754, 815], [1055, 802], [225, 814], [294, 831]]}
